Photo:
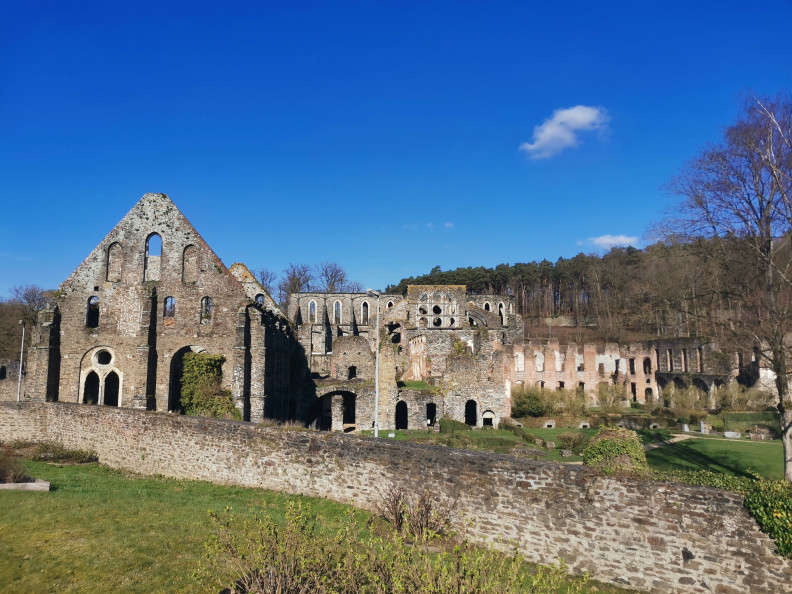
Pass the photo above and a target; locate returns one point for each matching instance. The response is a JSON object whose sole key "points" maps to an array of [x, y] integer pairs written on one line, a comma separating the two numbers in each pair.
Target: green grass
{"points": [[720, 455], [418, 385], [100, 530]]}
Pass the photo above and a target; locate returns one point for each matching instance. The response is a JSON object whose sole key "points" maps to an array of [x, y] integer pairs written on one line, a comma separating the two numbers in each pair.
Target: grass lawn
{"points": [[101, 530], [98, 531], [721, 455]]}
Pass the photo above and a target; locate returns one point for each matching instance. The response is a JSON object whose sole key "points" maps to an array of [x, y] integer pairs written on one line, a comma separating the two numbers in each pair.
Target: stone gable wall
{"points": [[651, 536]]}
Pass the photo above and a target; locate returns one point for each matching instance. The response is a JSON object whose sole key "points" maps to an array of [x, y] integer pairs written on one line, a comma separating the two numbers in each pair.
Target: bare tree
{"points": [[295, 279], [735, 210], [330, 277], [266, 278]]}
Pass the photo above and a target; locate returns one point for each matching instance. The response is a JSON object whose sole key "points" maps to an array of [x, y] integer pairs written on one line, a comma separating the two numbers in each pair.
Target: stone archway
{"points": [[402, 419], [176, 371], [471, 413]]}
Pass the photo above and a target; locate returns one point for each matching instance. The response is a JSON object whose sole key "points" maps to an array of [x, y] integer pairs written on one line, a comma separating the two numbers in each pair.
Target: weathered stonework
{"points": [[659, 537], [150, 292]]}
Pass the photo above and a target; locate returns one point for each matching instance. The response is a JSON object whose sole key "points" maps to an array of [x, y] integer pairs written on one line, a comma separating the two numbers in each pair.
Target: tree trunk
{"points": [[786, 440]]}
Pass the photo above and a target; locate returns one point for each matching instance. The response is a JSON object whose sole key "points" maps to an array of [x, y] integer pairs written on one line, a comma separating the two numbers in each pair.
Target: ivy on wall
{"points": [[202, 394]]}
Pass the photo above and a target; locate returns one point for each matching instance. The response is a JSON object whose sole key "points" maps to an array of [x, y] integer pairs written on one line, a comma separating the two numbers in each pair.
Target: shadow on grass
{"points": [[681, 456]]}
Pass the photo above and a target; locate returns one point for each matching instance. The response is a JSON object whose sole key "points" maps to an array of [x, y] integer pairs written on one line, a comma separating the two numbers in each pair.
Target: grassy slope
{"points": [[720, 455], [100, 532]]}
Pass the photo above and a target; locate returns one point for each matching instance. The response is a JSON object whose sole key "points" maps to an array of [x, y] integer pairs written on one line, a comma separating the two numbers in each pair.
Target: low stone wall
{"points": [[651, 536]]}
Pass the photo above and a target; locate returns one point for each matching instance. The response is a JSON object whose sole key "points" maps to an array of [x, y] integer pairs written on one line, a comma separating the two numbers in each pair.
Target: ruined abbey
{"points": [[153, 291]]}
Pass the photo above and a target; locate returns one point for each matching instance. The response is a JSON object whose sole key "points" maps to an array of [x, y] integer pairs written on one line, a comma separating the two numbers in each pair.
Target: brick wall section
{"points": [[659, 537]]}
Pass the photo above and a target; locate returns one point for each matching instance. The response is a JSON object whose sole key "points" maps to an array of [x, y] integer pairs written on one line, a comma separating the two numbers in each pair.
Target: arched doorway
{"points": [[649, 396], [471, 413], [91, 389], [176, 372], [431, 414], [401, 415], [111, 389], [349, 411]]}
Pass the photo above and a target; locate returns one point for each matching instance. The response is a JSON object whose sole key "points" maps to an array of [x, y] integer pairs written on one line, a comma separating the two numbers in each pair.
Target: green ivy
{"points": [[770, 502], [201, 392]]}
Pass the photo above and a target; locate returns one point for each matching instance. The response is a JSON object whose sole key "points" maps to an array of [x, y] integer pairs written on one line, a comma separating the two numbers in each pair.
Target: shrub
{"points": [[736, 398], [615, 448], [507, 425], [611, 398], [572, 440], [201, 392], [448, 425], [11, 471], [300, 557], [51, 451], [526, 403]]}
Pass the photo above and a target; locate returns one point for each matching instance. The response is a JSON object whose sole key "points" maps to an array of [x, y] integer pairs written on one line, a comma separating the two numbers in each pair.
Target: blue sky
{"points": [[388, 137]]}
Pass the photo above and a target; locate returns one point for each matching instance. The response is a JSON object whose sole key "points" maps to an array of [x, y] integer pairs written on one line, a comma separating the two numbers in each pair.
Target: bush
{"points": [[299, 556], [614, 448], [50, 451], [420, 516], [448, 425], [507, 425], [610, 398], [526, 403], [572, 440], [201, 392], [11, 471]]}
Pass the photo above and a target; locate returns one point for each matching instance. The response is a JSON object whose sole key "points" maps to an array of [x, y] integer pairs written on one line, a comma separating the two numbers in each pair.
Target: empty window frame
{"points": [[364, 313], [152, 261], [114, 261], [169, 308], [312, 312], [337, 312], [206, 310], [92, 312]]}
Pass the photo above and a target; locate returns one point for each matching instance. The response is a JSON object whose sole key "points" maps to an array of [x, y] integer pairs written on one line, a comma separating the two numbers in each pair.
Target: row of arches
{"points": [[336, 312], [152, 258]]}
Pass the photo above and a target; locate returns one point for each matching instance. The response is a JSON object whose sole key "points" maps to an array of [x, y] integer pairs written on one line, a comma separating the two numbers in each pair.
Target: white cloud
{"points": [[448, 225], [430, 225], [609, 241], [561, 130]]}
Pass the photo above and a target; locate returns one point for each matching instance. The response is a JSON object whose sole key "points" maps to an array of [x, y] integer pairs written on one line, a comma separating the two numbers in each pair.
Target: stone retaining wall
{"points": [[651, 536]]}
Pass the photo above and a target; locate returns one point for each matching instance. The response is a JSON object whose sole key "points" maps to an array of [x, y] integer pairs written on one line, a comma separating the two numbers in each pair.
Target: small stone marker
{"points": [[566, 453], [686, 428], [731, 434]]}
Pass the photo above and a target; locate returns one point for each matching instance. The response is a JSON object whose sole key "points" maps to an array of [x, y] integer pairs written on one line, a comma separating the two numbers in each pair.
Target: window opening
{"points": [[91, 389], [437, 322], [647, 366], [111, 390], [169, 311], [337, 312], [487, 306], [260, 299], [312, 312], [632, 365], [437, 310], [471, 413], [151, 266], [2, 372], [92, 313], [364, 313], [352, 372], [190, 264], [206, 310]]}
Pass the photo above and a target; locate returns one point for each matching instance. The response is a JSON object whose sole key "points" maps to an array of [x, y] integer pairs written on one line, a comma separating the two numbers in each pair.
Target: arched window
{"points": [[169, 310], [352, 372], [111, 384], [91, 389], [260, 299], [390, 304], [92, 312], [151, 266], [190, 264], [337, 312], [431, 414], [647, 366], [206, 310], [487, 305], [471, 413], [312, 312], [114, 261], [364, 313], [502, 313]]}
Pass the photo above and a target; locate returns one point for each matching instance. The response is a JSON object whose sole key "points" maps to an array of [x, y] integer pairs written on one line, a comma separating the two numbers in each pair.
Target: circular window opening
{"points": [[451, 321], [437, 310], [437, 322], [104, 357], [423, 322], [422, 310]]}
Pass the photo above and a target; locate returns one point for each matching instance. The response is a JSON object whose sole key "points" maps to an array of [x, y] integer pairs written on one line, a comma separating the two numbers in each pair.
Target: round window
{"points": [[104, 357]]}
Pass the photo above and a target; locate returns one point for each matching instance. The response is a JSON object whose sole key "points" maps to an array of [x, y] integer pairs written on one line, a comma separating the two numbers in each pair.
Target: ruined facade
{"points": [[149, 293], [153, 290], [442, 353]]}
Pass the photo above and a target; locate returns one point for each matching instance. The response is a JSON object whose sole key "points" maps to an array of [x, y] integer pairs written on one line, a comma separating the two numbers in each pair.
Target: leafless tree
{"points": [[330, 277], [266, 278], [735, 210], [296, 278]]}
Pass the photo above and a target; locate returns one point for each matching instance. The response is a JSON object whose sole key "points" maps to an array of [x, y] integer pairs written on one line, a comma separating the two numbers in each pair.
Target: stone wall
{"points": [[657, 536], [9, 378]]}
